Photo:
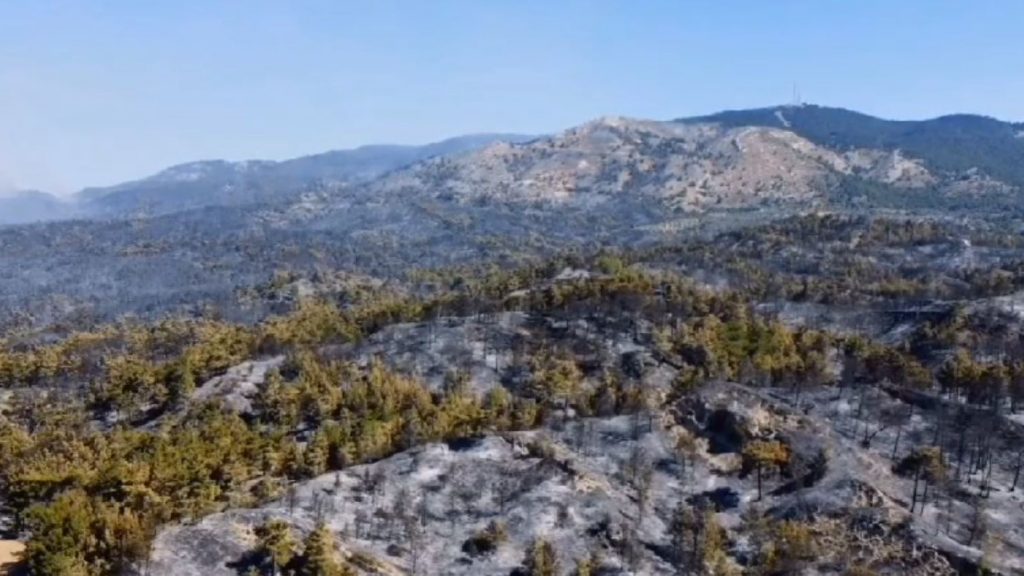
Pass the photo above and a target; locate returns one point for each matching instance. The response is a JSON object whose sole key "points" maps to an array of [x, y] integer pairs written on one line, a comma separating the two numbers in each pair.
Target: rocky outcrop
{"points": [[236, 387], [687, 166]]}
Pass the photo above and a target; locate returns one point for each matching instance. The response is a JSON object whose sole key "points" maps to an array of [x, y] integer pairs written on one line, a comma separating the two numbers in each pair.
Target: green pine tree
{"points": [[276, 544], [320, 558]]}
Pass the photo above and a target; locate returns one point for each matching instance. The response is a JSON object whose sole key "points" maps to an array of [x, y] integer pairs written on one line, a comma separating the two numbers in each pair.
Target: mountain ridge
{"points": [[953, 143], [218, 182], [809, 154], [692, 165], [27, 206]]}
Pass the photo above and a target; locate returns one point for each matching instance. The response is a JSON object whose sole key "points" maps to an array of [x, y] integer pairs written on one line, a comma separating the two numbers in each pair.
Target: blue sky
{"points": [[92, 93]]}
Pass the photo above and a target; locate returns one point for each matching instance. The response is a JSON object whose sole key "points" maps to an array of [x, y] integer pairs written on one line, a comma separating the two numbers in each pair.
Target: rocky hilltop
{"points": [[684, 165]]}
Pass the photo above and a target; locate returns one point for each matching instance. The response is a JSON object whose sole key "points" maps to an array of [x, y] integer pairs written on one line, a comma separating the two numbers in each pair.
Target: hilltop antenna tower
{"points": [[797, 102]]}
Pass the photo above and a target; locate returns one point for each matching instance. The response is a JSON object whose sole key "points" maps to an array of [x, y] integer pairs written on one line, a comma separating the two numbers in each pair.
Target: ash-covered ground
{"points": [[611, 489]]}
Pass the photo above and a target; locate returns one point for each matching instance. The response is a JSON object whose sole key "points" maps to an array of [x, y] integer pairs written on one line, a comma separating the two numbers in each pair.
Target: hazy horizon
{"points": [[97, 95]]}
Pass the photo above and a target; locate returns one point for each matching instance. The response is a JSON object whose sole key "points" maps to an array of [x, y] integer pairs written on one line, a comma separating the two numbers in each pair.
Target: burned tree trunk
{"points": [[1016, 472], [913, 497]]}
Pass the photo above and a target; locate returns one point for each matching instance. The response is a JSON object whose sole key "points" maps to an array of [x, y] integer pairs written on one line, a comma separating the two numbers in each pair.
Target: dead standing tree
{"points": [[923, 464]]}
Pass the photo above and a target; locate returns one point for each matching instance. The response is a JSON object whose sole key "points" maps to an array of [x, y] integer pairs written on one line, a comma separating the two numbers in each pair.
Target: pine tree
{"points": [[541, 560], [315, 457], [685, 530], [181, 388], [276, 544], [588, 566], [319, 556], [760, 454]]}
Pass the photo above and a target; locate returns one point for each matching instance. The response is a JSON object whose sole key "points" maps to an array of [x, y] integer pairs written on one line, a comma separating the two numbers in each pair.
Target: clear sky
{"points": [[97, 92]]}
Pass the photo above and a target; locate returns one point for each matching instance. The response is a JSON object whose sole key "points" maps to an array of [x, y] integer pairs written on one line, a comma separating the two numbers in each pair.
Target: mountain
{"points": [[683, 166], [805, 156], [790, 155], [953, 145], [381, 211], [729, 161], [222, 183], [32, 206]]}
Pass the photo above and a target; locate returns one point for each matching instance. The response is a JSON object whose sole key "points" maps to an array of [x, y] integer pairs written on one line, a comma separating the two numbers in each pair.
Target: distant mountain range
{"points": [[796, 156], [32, 206], [222, 183], [198, 232], [803, 155]]}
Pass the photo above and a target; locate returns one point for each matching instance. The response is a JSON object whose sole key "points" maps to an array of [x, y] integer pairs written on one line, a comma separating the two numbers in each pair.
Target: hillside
{"points": [[633, 347], [724, 162], [799, 156], [951, 145], [694, 167], [32, 206], [215, 183], [611, 182], [802, 155], [598, 411], [220, 183]]}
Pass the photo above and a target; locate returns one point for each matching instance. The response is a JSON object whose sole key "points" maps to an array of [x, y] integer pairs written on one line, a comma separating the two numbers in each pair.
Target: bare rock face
{"points": [[236, 387], [889, 168]]}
